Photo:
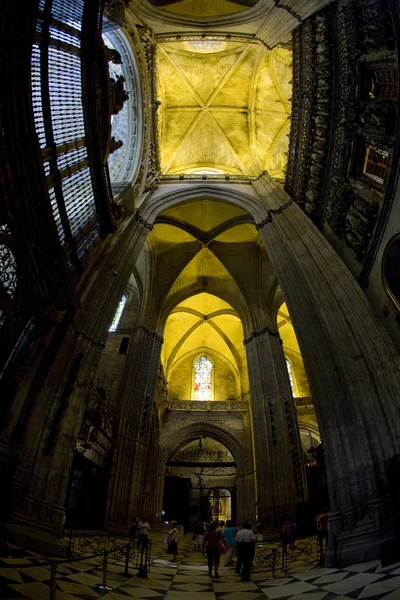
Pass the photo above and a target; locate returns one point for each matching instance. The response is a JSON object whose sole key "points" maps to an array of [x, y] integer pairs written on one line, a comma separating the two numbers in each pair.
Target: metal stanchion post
{"points": [[126, 572], [53, 581], [104, 586], [105, 566], [143, 567], [274, 563], [283, 557]]}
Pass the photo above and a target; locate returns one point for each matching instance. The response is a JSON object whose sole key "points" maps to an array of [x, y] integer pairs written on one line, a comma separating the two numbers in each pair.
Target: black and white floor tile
{"points": [[27, 575]]}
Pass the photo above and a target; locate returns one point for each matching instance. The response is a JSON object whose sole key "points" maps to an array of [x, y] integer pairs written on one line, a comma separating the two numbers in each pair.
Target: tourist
{"points": [[246, 547], [132, 531], [230, 538], [323, 529], [210, 543], [292, 535], [172, 541], [198, 534], [285, 534], [144, 529]]}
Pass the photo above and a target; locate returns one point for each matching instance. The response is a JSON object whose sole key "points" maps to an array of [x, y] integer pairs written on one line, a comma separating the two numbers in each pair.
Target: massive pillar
{"points": [[353, 370], [279, 469], [128, 485], [46, 422]]}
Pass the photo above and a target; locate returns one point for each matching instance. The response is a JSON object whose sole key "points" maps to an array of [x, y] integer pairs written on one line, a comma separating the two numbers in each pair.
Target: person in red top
{"points": [[210, 543], [323, 528]]}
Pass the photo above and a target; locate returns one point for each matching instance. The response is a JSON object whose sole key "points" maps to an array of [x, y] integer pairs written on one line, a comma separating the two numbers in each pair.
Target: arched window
{"points": [[289, 370], [118, 314], [202, 380]]}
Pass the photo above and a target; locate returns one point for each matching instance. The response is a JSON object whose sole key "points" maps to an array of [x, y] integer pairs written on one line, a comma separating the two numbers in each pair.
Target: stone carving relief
{"points": [[144, 45], [125, 128], [333, 127]]}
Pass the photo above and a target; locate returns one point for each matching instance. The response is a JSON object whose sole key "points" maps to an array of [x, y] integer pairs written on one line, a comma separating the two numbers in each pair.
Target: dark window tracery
{"points": [[57, 96], [8, 270]]}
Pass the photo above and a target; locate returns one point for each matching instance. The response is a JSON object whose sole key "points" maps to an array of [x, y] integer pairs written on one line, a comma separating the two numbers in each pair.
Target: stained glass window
{"points": [[289, 370], [202, 379], [118, 314]]}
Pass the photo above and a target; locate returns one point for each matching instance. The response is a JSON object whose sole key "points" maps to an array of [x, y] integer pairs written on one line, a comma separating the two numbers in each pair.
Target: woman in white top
{"points": [[172, 541], [144, 529]]}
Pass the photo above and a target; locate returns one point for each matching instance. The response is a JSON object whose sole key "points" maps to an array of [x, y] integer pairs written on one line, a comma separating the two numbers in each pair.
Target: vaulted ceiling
{"points": [[225, 107], [203, 8]]}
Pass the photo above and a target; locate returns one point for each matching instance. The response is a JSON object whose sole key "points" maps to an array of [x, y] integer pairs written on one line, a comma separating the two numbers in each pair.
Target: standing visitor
{"points": [[210, 542], [144, 529], [172, 541], [230, 538], [132, 531], [246, 547], [198, 533], [292, 535], [285, 534], [323, 529]]}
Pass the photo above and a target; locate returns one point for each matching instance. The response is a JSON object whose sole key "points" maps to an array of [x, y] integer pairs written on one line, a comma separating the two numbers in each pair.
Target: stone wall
{"points": [[225, 384]]}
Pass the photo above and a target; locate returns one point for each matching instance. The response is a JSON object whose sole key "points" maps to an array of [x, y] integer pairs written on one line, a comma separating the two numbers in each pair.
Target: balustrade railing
{"points": [[202, 405], [304, 401]]}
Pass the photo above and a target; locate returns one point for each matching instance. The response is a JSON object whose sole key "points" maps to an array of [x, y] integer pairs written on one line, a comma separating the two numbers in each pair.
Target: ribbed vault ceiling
{"points": [[203, 8], [223, 111], [202, 273]]}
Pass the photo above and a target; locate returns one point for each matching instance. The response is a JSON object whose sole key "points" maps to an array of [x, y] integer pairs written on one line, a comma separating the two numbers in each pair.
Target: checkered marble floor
{"points": [[29, 577]]}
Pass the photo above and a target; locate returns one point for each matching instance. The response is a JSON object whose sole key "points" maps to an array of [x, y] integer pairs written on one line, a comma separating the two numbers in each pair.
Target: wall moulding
{"points": [[215, 405]]}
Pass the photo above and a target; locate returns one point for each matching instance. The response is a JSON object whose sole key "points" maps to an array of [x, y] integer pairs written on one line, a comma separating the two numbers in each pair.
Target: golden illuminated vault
{"points": [[225, 107]]}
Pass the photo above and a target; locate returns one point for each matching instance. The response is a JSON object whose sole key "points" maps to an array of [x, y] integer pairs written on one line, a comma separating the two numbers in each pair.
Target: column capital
{"points": [[255, 334], [150, 333], [273, 211], [142, 221]]}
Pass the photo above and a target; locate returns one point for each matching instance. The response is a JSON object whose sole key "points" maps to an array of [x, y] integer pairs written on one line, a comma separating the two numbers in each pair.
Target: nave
{"points": [[23, 576]]}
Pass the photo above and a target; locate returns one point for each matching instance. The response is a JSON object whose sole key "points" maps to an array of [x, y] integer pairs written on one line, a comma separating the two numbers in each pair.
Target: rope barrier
{"points": [[109, 550]]}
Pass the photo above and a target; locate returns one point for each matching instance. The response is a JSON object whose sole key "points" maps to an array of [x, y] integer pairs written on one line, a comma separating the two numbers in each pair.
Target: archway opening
{"points": [[200, 483], [219, 505]]}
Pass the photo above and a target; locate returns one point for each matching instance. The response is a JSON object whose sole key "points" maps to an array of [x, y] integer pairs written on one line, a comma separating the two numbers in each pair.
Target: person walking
{"points": [[198, 534], [230, 538], [246, 547], [144, 529], [172, 541], [323, 529], [210, 544]]}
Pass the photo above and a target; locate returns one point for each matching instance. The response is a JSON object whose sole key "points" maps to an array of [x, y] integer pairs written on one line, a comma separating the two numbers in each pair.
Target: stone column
{"points": [[352, 366], [279, 488], [48, 422], [245, 477], [135, 401]]}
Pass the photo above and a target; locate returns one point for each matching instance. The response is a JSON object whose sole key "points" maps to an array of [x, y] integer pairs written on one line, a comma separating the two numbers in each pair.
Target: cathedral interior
{"points": [[200, 268]]}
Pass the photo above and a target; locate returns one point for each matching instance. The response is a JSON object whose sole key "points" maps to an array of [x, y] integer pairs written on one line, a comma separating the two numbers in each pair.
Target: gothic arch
{"points": [[160, 201], [175, 439], [259, 10]]}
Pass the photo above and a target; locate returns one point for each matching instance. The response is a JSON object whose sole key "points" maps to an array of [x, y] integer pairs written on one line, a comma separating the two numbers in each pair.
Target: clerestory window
{"points": [[202, 380], [118, 314]]}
